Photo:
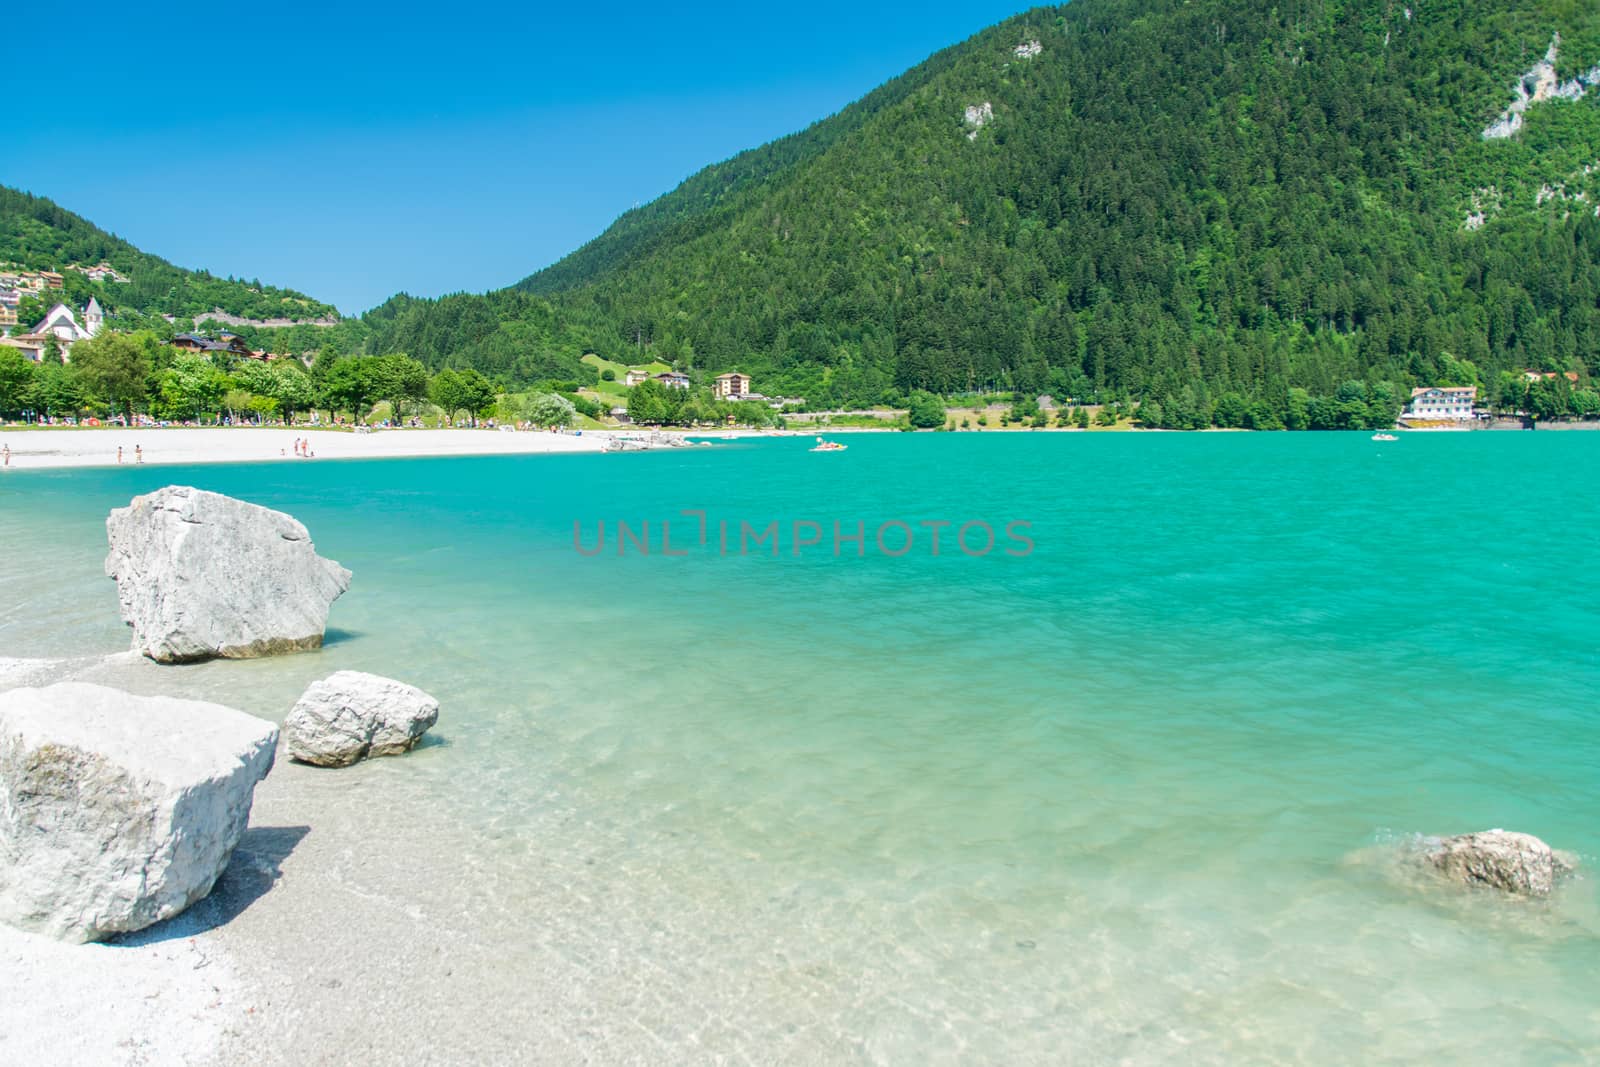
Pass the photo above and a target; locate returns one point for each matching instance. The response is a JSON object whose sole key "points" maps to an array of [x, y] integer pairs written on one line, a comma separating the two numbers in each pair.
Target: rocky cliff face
{"points": [[1538, 85], [977, 117]]}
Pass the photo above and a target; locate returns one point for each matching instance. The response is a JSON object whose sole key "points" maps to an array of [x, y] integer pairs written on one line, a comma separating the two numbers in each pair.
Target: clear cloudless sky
{"points": [[353, 151]]}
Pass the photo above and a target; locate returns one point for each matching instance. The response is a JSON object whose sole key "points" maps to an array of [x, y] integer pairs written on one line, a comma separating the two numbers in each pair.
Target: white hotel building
{"points": [[1442, 404]]}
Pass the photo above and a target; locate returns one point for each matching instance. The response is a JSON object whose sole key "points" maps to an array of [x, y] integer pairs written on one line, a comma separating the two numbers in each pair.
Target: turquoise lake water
{"points": [[1123, 798]]}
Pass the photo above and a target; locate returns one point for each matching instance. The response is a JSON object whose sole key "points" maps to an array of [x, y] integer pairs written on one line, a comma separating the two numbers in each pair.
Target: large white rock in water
{"points": [[202, 575], [118, 811], [350, 716], [1501, 859]]}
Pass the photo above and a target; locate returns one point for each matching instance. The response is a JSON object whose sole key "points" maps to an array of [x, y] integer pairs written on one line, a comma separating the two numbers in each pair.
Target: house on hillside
{"points": [[634, 377], [8, 316], [10, 297], [1532, 376], [1442, 404], [227, 344], [100, 272], [621, 415], [731, 386], [673, 380], [32, 349], [52, 280]]}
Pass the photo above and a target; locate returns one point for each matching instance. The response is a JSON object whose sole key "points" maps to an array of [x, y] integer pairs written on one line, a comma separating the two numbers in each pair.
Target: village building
{"points": [[226, 343], [1442, 404], [673, 380], [100, 272], [30, 348], [731, 386], [1549, 375], [10, 297], [62, 324], [8, 316], [621, 415], [52, 280], [634, 377]]}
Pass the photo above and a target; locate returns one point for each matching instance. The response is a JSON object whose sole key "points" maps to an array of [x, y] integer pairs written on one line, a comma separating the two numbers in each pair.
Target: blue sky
{"points": [[355, 152]]}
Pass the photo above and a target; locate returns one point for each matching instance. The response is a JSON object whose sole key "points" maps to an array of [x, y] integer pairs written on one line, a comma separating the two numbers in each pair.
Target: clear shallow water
{"points": [[1106, 802]]}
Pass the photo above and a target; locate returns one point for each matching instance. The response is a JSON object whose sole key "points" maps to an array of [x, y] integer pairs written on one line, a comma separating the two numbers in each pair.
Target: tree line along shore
{"points": [[140, 378]]}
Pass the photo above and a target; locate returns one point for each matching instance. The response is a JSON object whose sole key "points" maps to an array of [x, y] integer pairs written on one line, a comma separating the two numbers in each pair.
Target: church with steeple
{"points": [[62, 325]]}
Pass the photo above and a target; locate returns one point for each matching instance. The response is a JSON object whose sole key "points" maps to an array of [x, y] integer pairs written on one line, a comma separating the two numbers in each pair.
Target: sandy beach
{"points": [[57, 448], [350, 896]]}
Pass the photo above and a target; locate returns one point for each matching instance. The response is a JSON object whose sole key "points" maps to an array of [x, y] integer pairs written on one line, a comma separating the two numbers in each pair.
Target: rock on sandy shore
{"points": [[350, 716], [118, 811], [1501, 859], [201, 575]]}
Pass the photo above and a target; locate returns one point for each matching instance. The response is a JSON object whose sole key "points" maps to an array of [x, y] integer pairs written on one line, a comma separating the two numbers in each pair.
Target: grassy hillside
{"points": [[41, 235], [1190, 202]]}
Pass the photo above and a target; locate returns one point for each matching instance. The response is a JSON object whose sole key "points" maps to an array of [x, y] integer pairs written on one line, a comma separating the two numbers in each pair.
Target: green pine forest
{"points": [[38, 234], [1220, 212]]}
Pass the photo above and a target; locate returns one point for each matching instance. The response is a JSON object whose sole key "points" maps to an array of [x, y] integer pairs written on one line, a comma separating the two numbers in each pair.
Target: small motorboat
{"points": [[1384, 437], [829, 446]]}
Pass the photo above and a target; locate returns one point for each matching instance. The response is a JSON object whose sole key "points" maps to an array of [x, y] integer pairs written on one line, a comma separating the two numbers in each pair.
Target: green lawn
{"points": [[621, 371]]}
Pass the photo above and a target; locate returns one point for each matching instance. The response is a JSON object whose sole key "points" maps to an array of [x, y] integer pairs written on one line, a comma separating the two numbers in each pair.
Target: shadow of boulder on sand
{"points": [[254, 869]]}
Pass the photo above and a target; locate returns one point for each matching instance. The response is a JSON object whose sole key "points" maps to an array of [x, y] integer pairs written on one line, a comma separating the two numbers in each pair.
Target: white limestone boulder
{"points": [[352, 716], [119, 811], [1500, 859], [201, 575]]}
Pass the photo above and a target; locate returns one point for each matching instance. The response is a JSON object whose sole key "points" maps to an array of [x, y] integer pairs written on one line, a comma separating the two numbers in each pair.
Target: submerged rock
{"points": [[119, 811], [351, 716], [1501, 859], [201, 575]]}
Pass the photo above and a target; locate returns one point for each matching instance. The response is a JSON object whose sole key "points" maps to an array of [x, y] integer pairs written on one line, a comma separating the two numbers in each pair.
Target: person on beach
{"points": [[8, 455], [138, 453], [119, 455]]}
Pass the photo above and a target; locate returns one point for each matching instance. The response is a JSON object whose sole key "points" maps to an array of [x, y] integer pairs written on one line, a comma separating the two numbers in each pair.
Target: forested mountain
{"points": [[1177, 201], [38, 234]]}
